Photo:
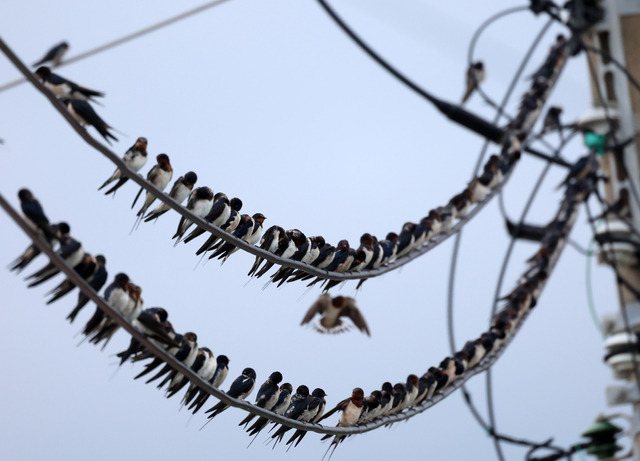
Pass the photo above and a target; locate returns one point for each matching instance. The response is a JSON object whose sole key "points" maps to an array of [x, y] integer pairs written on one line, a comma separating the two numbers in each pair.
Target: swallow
{"points": [[86, 269], [206, 370], [306, 253], [552, 120], [453, 368], [250, 232], [240, 389], [267, 397], [288, 245], [446, 215], [185, 354], [351, 411], [159, 176], [218, 378], [232, 223], [96, 281], [295, 410], [475, 75], [130, 312], [186, 349], [411, 391], [399, 394], [366, 246], [34, 213], [270, 242], [389, 248], [386, 403], [85, 115], [180, 190], [357, 259], [281, 405], [54, 55], [60, 230], [200, 203], [134, 158], [342, 260], [331, 309], [65, 89], [152, 322], [371, 407], [440, 380], [581, 169], [406, 239], [460, 203], [315, 410], [325, 258], [217, 216], [70, 250], [424, 384], [116, 295], [204, 366]]}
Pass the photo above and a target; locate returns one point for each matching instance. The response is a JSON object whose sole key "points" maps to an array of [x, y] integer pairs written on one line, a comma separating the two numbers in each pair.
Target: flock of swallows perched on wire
{"points": [[125, 297], [292, 244]]}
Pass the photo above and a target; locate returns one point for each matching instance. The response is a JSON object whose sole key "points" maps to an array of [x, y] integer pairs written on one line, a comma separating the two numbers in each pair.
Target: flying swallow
{"points": [[219, 376], [250, 232], [314, 412], [240, 389], [85, 269], [475, 75], [351, 411], [159, 176], [200, 203], [179, 192], [295, 410], [331, 309], [96, 280], [134, 158], [65, 89], [217, 216], [267, 396], [70, 250], [54, 55], [232, 223], [85, 115], [281, 405]]}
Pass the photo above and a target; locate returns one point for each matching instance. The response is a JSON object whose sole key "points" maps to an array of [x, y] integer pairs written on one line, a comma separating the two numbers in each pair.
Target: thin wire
{"points": [[618, 64], [126, 38], [83, 286], [589, 287], [229, 237], [472, 46]]}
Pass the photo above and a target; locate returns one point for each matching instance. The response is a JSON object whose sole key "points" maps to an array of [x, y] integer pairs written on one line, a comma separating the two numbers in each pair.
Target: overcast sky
{"points": [[272, 103]]}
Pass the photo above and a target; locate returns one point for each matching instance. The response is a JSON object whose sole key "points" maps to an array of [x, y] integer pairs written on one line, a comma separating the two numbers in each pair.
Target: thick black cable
{"points": [[126, 38]]}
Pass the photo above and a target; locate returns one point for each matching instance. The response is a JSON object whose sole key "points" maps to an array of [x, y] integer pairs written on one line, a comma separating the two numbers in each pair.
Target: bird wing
{"points": [[352, 311], [317, 307], [339, 407]]}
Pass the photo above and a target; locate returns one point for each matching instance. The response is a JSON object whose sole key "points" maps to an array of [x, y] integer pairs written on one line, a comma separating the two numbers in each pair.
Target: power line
{"points": [[229, 237], [126, 38]]}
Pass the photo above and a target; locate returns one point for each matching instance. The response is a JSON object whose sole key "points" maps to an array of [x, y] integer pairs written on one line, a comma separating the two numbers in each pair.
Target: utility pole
{"points": [[618, 36]]}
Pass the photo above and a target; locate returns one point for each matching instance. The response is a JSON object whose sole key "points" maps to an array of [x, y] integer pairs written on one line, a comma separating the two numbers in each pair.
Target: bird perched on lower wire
{"points": [[65, 89], [219, 376], [134, 158], [54, 55], [351, 410], [86, 269], [240, 389], [96, 281], [315, 410], [70, 250], [331, 309], [250, 232], [281, 405], [179, 192], [475, 75], [159, 176], [60, 231], [295, 410], [267, 395], [85, 115], [34, 212]]}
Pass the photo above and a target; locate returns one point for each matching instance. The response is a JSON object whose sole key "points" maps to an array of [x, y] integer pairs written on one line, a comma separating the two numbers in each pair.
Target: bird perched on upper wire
{"points": [[64, 88], [331, 309], [475, 76], [134, 158], [54, 55], [85, 115]]}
